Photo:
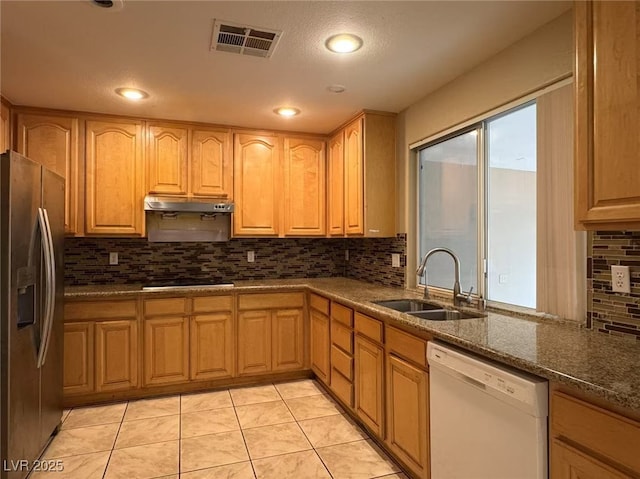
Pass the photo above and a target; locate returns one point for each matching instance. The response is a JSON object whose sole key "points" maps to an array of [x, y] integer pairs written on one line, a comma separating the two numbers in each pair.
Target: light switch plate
{"points": [[395, 260], [251, 256], [113, 258], [620, 279]]}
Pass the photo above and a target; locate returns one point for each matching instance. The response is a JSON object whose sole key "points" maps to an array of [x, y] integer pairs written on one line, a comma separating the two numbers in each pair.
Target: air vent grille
{"points": [[243, 39]]}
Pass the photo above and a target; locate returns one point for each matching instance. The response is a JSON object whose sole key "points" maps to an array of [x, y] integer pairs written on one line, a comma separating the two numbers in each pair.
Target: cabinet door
{"points": [[287, 339], [408, 414], [570, 463], [211, 173], [166, 350], [5, 128], [78, 358], [167, 159], [114, 174], [116, 355], [254, 342], [335, 185], [353, 179], [320, 345], [607, 114], [304, 187], [211, 346], [257, 179], [53, 142], [369, 367]]}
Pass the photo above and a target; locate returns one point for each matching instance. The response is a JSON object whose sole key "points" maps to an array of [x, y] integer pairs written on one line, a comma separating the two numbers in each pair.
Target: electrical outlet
{"points": [[620, 281], [251, 256], [113, 258], [395, 260], [503, 278], [346, 255]]}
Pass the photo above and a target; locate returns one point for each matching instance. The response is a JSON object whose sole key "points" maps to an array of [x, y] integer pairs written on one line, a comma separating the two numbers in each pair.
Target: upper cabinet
{"points": [[304, 187], [607, 177], [53, 142], [114, 178], [362, 180], [184, 161], [256, 165]]}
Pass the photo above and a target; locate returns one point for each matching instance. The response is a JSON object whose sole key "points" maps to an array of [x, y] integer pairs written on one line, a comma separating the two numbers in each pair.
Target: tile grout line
{"points": [[180, 436], [233, 403], [115, 440]]}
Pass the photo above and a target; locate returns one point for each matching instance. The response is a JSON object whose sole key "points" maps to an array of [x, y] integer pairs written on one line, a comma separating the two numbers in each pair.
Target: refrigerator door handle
{"points": [[50, 282]]}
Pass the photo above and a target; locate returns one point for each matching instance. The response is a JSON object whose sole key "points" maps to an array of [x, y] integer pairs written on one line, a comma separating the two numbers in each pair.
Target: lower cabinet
{"points": [[320, 345], [287, 339], [116, 353], [369, 391], [166, 350], [568, 462], [211, 338], [78, 358]]}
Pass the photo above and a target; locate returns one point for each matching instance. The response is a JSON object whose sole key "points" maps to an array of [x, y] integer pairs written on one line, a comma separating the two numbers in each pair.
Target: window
{"points": [[477, 197]]}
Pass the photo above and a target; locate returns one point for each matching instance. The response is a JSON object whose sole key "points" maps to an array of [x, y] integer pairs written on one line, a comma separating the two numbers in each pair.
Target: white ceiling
{"points": [[72, 55]]}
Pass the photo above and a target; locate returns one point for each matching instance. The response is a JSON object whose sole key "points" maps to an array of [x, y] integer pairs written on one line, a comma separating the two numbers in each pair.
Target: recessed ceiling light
{"points": [[286, 111], [336, 88], [132, 93], [344, 43]]}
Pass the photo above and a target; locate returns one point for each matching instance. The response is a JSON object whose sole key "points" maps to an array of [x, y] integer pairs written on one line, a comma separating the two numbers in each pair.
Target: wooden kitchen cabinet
{"points": [[588, 441], [607, 177], [270, 332], [187, 161], [78, 365], [320, 341], [407, 401], [53, 142], [166, 350], [342, 353], [304, 170], [211, 345], [114, 190], [369, 372], [364, 179], [116, 350], [256, 179]]}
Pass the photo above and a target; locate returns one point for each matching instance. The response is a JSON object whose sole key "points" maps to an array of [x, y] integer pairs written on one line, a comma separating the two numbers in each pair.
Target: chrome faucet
{"points": [[458, 298]]}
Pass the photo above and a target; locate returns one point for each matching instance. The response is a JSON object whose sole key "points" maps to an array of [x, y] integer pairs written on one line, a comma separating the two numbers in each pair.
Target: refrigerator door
{"points": [[21, 254], [51, 369]]}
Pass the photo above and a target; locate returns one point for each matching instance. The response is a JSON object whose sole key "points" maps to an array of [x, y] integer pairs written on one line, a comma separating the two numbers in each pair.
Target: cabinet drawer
{"points": [[342, 337], [319, 303], [599, 430], [342, 387], [407, 346], [342, 314], [342, 362], [164, 306], [369, 327], [206, 304], [88, 310], [270, 300]]}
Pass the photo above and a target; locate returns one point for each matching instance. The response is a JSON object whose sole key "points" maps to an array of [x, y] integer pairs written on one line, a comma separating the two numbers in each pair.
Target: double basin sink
{"points": [[426, 310]]}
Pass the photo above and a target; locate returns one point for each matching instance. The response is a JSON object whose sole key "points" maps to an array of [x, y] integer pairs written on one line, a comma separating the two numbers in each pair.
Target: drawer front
{"points": [[342, 337], [165, 306], [342, 314], [342, 387], [206, 304], [407, 346], [319, 303], [342, 362], [270, 300], [597, 429], [88, 310], [369, 327]]}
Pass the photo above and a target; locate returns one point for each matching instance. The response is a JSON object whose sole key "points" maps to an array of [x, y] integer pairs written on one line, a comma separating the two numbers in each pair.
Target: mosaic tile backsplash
{"points": [[87, 260], [609, 312]]}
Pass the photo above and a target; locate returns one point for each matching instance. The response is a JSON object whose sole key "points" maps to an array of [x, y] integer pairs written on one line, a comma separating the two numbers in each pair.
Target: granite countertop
{"points": [[593, 362]]}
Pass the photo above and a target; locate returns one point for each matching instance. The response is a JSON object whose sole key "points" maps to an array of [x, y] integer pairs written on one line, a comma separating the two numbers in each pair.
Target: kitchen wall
{"points": [[87, 260], [609, 312]]}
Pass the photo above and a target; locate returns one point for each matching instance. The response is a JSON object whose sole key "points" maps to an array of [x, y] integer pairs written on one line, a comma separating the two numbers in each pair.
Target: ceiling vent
{"points": [[244, 39]]}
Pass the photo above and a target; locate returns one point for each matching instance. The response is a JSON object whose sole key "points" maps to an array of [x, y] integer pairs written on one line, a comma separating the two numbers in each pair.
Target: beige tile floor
{"points": [[279, 431]]}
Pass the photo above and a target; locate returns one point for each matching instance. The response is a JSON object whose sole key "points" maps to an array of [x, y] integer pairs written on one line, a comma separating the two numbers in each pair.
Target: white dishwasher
{"points": [[487, 421]]}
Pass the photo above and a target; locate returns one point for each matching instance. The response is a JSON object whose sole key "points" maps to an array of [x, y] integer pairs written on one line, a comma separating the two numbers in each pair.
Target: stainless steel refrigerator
{"points": [[31, 300]]}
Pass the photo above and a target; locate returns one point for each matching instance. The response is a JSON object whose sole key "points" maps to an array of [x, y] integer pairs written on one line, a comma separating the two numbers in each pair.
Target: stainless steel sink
{"points": [[407, 305], [444, 314]]}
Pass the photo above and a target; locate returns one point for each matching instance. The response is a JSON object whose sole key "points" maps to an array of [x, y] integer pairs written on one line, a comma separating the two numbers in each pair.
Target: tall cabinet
{"points": [[607, 177]]}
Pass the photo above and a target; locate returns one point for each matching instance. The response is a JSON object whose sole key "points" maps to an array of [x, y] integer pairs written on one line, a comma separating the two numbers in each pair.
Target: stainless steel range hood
{"points": [[187, 219]]}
